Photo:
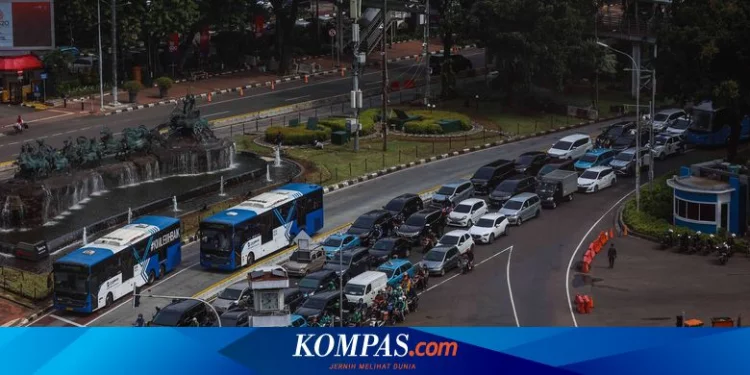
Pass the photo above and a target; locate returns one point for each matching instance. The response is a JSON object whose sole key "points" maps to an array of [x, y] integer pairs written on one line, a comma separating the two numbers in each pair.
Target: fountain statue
{"points": [[51, 181]]}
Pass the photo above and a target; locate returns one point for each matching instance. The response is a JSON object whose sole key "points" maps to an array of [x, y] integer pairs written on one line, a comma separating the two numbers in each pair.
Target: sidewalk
{"points": [[237, 80]]}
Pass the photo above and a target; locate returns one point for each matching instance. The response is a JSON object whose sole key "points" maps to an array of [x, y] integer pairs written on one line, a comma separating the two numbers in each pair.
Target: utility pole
{"points": [[114, 52], [653, 110], [356, 94], [384, 54], [101, 68], [426, 48], [339, 31]]}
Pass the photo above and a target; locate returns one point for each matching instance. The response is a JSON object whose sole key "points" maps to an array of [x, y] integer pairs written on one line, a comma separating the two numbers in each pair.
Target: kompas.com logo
{"points": [[370, 345]]}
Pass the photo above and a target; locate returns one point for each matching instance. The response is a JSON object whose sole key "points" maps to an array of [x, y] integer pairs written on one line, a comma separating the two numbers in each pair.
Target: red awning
{"points": [[16, 63]]}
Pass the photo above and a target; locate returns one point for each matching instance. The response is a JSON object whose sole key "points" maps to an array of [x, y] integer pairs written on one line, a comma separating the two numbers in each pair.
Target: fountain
{"points": [[277, 157], [174, 204], [221, 187], [85, 237], [268, 173], [130, 215]]}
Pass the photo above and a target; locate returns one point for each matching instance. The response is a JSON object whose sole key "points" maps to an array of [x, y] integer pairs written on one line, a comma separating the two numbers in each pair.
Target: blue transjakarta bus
{"points": [[260, 226], [99, 273], [711, 127]]}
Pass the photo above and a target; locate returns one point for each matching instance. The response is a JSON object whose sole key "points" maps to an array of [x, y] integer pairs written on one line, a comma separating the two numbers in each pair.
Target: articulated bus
{"points": [[99, 273], [260, 226], [711, 126]]}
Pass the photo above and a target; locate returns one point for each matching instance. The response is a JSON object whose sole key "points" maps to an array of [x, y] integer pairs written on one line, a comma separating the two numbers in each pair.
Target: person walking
{"points": [[612, 254]]}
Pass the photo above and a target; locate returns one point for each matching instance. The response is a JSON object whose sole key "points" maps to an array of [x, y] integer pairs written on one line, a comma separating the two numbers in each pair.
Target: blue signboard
{"points": [[43, 75]]}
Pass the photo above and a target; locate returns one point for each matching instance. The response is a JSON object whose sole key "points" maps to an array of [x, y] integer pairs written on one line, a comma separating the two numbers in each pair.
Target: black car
{"points": [[612, 132], [317, 281], [515, 185], [415, 226], [183, 313], [628, 140], [404, 205], [486, 178], [235, 318], [530, 162], [458, 63], [555, 164], [387, 248], [315, 306], [364, 226], [349, 263], [293, 298]]}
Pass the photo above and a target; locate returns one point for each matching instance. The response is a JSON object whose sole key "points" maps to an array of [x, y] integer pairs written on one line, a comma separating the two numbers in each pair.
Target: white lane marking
{"points": [[510, 290], [216, 114], [460, 274], [29, 324], [10, 323], [65, 320], [573, 256], [105, 313], [43, 119], [56, 134], [72, 131], [297, 98], [13, 143]]}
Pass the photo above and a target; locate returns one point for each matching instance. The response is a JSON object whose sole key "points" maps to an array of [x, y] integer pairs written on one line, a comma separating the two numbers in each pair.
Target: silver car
{"points": [[454, 192], [237, 294], [441, 259], [522, 207]]}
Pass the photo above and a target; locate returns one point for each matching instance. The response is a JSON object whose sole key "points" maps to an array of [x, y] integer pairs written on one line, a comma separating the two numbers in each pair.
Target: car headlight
{"points": [[550, 198]]}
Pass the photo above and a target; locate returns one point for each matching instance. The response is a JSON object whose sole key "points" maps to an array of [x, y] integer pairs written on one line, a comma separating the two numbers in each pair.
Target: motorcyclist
{"points": [[730, 241], [139, 322], [332, 285], [406, 284], [19, 123], [361, 305]]}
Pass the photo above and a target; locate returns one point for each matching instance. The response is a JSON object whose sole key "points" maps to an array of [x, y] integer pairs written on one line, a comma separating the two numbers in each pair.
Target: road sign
{"points": [[332, 33], [43, 76]]}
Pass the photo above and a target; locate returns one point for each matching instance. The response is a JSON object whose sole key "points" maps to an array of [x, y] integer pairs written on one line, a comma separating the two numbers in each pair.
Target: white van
{"points": [[571, 147], [365, 286]]}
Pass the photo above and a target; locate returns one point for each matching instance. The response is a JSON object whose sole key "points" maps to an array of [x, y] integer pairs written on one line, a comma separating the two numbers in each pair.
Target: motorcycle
{"points": [[684, 240], [709, 246], [668, 241], [724, 253], [696, 245], [421, 280], [465, 265], [428, 241]]}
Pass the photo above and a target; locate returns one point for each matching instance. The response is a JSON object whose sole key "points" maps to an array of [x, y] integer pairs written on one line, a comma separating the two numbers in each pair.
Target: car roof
{"points": [[355, 250], [522, 196], [470, 201], [322, 274], [240, 285], [598, 151], [405, 197], [497, 163], [492, 216], [367, 277], [517, 177], [442, 248], [234, 313], [456, 233], [456, 183], [183, 305], [393, 263], [669, 111], [376, 213], [389, 239], [425, 211], [598, 168], [339, 236], [327, 295], [574, 137], [533, 153]]}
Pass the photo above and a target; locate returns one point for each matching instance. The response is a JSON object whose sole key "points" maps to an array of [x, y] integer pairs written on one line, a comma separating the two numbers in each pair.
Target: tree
{"points": [[75, 22], [452, 21], [704, 54], [286, 12]]}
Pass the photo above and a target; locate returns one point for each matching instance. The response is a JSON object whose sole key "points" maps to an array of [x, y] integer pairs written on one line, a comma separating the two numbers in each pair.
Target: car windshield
{"points": [[389, 272], [382, 245], [315, 304], [660, 141], [231, 294], [661, 117], [562, 145], [415, 220], [354, 290], [614, 131], [590, 175], [589, 158], [167, 318], [364, 222], [300, 256], [309, 283], [435, 256], [229, 321], [524, 160], [547, 169], [507, 186], [341, 260], [215, 237], [449, 240], [624, 156], [333, 242], [485, 223], [512, 205], [680, 124], [70, 278], [484, 173], [624, 140], [463, 208], [395, 205], [446, 190]]}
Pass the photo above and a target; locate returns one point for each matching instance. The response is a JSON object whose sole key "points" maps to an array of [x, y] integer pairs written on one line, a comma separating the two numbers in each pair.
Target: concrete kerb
{"points": [[33, 316]]}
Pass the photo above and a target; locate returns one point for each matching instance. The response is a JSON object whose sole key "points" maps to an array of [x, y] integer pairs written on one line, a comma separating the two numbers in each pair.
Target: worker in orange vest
{"points": [[579, 304], [587, 305]]}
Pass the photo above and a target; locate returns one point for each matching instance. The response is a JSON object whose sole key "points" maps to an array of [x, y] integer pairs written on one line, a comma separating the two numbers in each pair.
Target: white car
{"points": [[571, 147], [596, 178], [665, 118], [467, 212], [489, 227], [667, 144], [458, 238]]}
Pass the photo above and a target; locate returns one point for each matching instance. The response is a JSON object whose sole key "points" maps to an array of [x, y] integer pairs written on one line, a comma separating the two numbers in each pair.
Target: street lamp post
{"points": [[114, 52], [101, 68], [637, 68]]}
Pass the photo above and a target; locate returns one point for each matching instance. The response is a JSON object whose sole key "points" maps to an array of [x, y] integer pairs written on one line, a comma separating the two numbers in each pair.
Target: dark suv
{"points": [[404, 205], [530, 162], [486, 178], [415, 226], [515, 185], [364, 226], [349, 263], [387, 248], [184, 313]]}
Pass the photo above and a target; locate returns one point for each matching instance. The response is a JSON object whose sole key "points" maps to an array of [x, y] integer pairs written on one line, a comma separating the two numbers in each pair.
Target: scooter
{"points": [[466, 265], [724, 253], [667, 241]]}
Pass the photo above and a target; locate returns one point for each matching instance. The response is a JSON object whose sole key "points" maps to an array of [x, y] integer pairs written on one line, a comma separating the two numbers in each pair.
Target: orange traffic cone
{"points": [[611, 233], [342, 71], [273, 85], [306, 78], [209, 97], [242, 92]]}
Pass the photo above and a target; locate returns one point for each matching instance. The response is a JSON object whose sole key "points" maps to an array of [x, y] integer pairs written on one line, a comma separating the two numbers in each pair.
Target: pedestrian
{"points": [[140, 322], [612, 254]]}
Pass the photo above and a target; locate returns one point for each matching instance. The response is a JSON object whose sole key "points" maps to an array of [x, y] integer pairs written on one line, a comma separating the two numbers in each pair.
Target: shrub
{"points": [[366, 118], [164, 82], [428, 124], [297, 136], [422, 127], [132, 86]]}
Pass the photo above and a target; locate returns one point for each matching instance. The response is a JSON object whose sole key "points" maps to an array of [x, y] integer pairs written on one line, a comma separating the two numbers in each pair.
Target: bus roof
{"points": [[261, 203], [118, 240]]}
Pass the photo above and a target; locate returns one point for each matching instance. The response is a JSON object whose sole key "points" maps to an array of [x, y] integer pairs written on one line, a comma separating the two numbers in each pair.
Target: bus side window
{"points": [[266, 222], [302, 210]]}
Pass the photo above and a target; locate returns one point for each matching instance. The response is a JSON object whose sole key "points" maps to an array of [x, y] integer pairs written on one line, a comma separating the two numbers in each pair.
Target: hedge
{"points": [[366, 118], [297, 136], [428, 125]]}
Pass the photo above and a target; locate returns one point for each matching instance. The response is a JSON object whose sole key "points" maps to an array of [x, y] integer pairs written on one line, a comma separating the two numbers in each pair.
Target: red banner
{"points": [[260, 25], [174, 42], [205, 39]]}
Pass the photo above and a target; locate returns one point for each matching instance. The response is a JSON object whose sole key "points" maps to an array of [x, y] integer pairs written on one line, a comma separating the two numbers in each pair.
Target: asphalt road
{"points": [[342, 207], [56, 129]]}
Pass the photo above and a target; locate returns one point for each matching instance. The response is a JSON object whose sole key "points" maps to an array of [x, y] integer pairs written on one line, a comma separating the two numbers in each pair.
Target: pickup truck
{"points": [[556, 186], [303, 262]]}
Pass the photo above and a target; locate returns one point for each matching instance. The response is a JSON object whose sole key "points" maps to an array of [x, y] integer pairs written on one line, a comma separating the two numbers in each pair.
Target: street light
{"points": [[113, 5], [101, 69], [637, 122]]}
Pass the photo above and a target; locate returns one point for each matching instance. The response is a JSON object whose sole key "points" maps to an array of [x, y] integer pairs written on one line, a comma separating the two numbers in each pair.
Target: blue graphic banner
{"points": [[611, 351]]}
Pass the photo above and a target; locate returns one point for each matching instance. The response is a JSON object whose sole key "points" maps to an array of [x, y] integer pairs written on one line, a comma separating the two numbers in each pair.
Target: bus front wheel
{"points": [[162, 271], [151, 278]]}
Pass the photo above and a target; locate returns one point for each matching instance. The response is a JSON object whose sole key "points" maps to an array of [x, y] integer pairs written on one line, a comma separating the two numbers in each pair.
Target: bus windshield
{"points": [[215, 236], [70, 278], [702, 121]]}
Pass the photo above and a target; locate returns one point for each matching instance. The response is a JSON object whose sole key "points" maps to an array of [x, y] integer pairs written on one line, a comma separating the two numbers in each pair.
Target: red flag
{"points": [[205, 39]]}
